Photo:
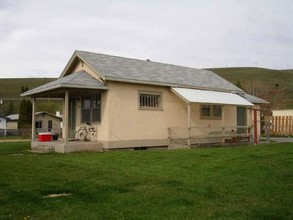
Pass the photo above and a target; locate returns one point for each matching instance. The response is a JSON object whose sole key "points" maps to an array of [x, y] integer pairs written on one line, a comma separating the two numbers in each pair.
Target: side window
{"points": [[91, 108], [38, 124], [211, 112], [150, 100], [85, 109]]}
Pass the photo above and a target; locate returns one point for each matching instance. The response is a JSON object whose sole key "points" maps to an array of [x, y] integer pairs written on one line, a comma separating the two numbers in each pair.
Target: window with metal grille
{"points": [[150, 100]]}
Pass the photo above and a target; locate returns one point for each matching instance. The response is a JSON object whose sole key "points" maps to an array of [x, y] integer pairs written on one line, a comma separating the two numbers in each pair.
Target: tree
{"points": [[10, 109], [24, 89], [239, 85], [274, 94], [49, 106], [25, 114]]}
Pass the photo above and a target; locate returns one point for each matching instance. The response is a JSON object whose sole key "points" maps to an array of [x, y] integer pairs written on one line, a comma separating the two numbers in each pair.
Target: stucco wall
{"points": [[127, 122]]}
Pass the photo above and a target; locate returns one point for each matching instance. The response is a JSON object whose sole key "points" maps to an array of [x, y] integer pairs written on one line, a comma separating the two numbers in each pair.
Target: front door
{"points": [[241, 119]]}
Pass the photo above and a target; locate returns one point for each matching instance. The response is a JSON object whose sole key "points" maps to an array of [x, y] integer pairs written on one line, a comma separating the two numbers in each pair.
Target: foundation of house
{"points": [[70, 146]]}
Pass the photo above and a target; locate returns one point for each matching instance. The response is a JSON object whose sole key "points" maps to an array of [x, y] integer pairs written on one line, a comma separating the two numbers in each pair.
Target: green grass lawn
{"points": [[254, 182]]}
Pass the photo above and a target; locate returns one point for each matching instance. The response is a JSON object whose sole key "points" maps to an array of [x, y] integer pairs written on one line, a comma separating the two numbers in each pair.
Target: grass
{"points": [[252, 182]]}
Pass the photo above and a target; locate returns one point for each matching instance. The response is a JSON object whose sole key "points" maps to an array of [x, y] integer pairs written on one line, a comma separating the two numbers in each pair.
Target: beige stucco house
{"points": [[130, 103]]}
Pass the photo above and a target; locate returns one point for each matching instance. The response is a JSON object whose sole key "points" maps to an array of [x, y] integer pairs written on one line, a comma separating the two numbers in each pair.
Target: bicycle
{"points": [[85, 133]]}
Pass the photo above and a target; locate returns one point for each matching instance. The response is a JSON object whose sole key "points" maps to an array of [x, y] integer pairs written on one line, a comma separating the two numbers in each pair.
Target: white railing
{"points": [[187, 137]]}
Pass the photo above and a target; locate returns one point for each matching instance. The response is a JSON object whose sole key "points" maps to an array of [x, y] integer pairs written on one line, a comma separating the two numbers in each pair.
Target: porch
{"points": [[219, 118], [77, 133], [60, 146]]}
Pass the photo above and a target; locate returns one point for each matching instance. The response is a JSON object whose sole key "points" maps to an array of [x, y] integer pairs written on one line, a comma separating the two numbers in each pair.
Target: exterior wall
{"points": [[12, 124], [127, 122], [45, 120], [129, 126], [82, 66]]}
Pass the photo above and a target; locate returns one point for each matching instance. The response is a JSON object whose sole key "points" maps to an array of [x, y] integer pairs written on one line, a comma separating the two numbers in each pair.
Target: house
{"points": [[12, 121], [118, 102], [45, 121]]}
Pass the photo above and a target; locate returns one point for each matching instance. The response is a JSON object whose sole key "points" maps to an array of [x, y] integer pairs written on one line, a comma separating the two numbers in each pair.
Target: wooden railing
{"points": [[184, 137]]}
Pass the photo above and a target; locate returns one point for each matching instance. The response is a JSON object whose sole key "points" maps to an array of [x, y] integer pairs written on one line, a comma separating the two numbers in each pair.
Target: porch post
{"points": [[65, 117], [33, 118], [255, 125], [223, 124], [189, 124]]}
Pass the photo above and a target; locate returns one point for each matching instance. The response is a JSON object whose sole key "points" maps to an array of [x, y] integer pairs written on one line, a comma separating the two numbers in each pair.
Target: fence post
{"points": [[291, 125]]}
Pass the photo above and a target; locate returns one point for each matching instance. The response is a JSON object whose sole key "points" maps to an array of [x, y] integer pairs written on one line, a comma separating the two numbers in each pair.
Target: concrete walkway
{"points": [[282, 139]]}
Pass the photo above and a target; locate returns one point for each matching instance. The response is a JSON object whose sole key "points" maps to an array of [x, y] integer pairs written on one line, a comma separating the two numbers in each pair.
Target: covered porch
{"points": [[76, 135], [221, 119]]}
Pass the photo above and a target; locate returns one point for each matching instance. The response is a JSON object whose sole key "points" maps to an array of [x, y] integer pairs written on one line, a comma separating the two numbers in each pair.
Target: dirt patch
{"points": [[57, 195]]}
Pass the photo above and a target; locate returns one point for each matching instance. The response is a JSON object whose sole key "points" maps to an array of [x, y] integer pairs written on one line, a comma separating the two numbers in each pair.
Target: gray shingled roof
{"points": [[79, 79], [139, 71], [254, 99]]}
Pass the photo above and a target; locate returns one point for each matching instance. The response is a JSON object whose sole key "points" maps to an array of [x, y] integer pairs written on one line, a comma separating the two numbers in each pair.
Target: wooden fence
{"points": [[280, 125]]}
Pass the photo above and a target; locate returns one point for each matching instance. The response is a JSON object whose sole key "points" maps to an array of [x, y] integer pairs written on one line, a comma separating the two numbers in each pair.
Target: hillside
{"points": [[10, 90], [265, 83]]}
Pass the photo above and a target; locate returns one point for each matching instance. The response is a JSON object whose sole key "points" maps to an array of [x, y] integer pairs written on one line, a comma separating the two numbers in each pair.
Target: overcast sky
{"points": [[38, 37]]}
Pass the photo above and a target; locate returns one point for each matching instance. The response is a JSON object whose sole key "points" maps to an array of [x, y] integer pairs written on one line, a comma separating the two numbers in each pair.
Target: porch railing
{"points": [[183, 137]]}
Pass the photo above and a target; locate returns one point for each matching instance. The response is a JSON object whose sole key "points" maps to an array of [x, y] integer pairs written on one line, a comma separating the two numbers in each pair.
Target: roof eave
{"points": [[63, 86], [114, 79]]}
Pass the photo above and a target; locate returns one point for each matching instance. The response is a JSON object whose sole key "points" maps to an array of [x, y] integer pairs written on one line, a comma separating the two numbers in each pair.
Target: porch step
{"points": [[42, 149]]}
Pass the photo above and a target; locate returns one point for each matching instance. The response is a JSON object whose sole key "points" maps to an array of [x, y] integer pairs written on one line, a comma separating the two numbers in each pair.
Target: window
{"points": [[150, 100], [211, 111], [91, 108], [38, 124]]}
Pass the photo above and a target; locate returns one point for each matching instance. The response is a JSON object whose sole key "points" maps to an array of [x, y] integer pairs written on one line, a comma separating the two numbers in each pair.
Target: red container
{"points": [[46, 136]]}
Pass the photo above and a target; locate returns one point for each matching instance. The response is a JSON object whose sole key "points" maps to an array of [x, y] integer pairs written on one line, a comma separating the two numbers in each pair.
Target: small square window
{"points": [[150, 100], [211, 111]]}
